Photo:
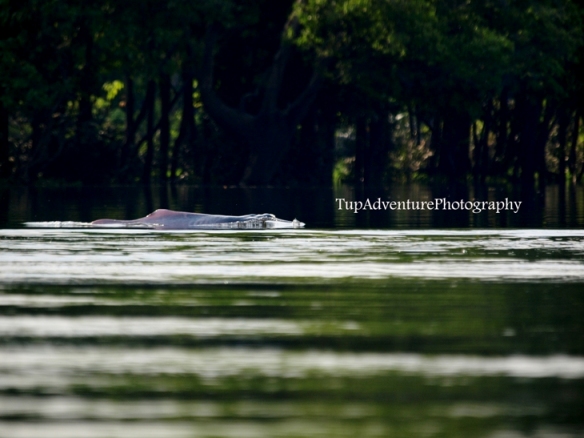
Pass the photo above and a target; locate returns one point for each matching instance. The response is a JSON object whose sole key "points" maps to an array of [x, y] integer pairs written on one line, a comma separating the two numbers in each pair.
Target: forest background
{"points": [[307, 92]]}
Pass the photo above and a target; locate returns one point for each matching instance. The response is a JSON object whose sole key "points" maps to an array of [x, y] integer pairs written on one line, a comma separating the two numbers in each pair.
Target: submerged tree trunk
{"points": [[269, 132]]}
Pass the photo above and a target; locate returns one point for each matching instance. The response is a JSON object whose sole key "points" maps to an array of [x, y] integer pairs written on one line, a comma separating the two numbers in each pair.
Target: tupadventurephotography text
{"points": [[441, 204]]}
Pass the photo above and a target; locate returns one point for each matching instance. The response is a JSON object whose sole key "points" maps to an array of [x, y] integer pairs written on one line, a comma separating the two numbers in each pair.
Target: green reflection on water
{"points": [[405, 315], [398, 355]]}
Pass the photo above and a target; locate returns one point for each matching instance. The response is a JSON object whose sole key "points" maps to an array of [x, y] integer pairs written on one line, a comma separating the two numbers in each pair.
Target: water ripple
{"points": [[82, 256], [34, 364]]}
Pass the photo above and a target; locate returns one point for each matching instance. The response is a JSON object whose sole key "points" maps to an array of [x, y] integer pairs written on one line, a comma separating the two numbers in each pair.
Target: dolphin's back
{"points": [[163, 219]]}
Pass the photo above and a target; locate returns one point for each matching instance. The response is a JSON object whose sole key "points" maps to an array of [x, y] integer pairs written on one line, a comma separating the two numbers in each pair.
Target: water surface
{"points": [[292, 333]]}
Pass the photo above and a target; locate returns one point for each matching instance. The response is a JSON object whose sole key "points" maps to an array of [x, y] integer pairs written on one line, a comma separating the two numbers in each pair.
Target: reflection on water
{"points": [[315, 206], [67, 256], [213, 365], [291, 333]]}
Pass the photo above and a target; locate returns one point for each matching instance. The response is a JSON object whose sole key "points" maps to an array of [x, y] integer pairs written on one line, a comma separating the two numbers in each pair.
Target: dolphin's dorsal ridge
{"points": [[160, 211]]}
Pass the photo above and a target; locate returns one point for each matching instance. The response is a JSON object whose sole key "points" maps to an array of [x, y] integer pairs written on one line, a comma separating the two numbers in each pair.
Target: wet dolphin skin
{"points": [[179, 220]]}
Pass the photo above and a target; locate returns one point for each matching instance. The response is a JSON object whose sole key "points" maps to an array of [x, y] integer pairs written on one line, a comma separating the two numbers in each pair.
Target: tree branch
{"points": [[224, 115], [157, 126], [298, 109], [276, 75]]}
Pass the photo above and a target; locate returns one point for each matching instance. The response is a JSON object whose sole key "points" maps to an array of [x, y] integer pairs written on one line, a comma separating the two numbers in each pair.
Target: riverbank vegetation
{"points": [[260, 92]]}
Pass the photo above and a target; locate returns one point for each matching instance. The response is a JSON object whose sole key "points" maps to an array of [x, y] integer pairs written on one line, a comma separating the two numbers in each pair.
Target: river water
{"points": [[342, 330]]}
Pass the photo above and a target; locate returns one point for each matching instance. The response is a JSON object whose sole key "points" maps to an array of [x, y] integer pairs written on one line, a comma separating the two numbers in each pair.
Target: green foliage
{"points": [[342, 171], [416, 50], [384, 56]]}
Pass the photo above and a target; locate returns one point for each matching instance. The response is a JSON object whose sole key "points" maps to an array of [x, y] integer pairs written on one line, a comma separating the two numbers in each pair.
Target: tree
{"points": [[269, 130], [125, 91]]}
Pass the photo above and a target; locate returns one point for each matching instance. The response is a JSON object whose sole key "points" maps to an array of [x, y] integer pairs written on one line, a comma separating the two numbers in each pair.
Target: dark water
{"points": [[428, 324], [314, 206]]}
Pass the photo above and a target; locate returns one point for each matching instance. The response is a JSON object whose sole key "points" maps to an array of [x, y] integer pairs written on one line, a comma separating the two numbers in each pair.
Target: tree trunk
{"points": [[269, 139], [512, 158], [563, 121], [147, 170], [86, 85], [573, 145], [435, 146], [412, 123], [361, 140], [5, 168], [268, 133], [481, 150], [130, 128], [502, 128], [476, 150], [378, 151], [327, 123], [205, 166], [300, 164], [187, 131], [37, 158], [484, 157], [543, 134], [164, 127], [311, 159], [529, 110], [454, 154]]}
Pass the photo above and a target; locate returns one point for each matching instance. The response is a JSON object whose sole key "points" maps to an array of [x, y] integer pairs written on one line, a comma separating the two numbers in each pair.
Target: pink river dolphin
{"points": [[179, 220]]}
